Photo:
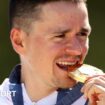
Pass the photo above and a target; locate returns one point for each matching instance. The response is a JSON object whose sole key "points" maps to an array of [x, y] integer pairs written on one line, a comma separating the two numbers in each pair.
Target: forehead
{"points": [[64, 15], [64, 9]]}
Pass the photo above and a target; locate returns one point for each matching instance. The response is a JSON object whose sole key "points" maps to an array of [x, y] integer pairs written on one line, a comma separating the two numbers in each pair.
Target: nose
{"points": [[73, 47]]}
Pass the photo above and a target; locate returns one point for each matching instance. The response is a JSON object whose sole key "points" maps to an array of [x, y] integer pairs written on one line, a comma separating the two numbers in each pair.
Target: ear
{"points": [[16, 36]]}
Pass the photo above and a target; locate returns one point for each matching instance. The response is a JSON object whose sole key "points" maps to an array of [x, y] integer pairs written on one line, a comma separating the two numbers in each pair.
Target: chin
{"points": [[67, 83]]}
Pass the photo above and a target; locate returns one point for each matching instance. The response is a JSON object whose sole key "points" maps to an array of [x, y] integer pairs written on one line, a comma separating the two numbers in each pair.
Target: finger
{"points": [[97, 80], [91, 77], [96, 89], [95, 77], [103, 78], [92, 100], [86, 88], [94, 94], [101, 99]]}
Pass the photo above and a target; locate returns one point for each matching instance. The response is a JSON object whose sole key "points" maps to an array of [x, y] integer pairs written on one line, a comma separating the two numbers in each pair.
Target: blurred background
{"points": [[96, 55]]}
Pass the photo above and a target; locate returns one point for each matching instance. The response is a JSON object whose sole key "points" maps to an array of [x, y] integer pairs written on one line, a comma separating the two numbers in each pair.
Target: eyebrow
{"points": [[86, 30], [62, 31]]}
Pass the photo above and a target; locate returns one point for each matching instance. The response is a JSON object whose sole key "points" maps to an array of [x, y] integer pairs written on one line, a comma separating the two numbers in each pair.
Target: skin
{"points": [[62, 35], [94, 90]]}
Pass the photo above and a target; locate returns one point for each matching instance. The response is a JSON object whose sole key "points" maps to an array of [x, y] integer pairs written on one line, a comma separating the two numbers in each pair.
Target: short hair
{"points": [[23, 12]]}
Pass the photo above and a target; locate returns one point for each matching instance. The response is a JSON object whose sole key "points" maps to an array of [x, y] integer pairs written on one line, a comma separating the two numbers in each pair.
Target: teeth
{"points": [[66, 63]]}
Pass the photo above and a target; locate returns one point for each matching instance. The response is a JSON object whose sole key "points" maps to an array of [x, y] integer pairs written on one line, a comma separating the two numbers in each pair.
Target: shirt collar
{"points": [[15, 75], [48, 100]]}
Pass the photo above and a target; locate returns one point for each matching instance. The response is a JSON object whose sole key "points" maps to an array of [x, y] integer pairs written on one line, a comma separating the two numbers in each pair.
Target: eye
{"points": [[83, 35], [60, 35]]}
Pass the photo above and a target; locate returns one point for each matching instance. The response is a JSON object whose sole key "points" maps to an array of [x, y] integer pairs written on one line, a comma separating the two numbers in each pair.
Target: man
{"points": [[50, 36]]}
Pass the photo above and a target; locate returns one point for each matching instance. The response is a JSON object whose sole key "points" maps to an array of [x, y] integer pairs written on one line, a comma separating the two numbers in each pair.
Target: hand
{"points": [[94, 90]]}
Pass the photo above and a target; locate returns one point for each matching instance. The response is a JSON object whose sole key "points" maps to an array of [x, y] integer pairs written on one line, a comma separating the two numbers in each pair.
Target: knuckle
{"points": [[97, 80]]}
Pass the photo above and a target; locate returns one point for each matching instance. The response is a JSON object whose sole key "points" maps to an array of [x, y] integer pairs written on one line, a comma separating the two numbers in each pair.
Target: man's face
{"points": [[58, 41]]}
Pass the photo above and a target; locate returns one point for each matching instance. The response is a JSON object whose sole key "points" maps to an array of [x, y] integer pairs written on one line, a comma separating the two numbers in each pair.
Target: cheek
{"points": [[85, 49], [37, 51], [39, 43], [44, 52], [57, 48]]}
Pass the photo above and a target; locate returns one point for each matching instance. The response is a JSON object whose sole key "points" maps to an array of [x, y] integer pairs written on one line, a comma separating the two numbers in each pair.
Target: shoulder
{"points": [[5, 98]]}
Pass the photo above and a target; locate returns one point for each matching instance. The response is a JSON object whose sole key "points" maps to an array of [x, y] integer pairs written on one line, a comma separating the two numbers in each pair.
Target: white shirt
{"points": [[49, 100]]}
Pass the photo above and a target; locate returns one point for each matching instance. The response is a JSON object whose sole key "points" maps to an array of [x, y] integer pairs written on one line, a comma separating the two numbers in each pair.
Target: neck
{"points": [[35, 88]]}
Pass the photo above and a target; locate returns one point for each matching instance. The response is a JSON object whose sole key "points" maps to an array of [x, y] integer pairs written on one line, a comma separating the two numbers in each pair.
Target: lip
{"points": [[68, 63], [74, 67], [69, 68], [62, 67]]}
